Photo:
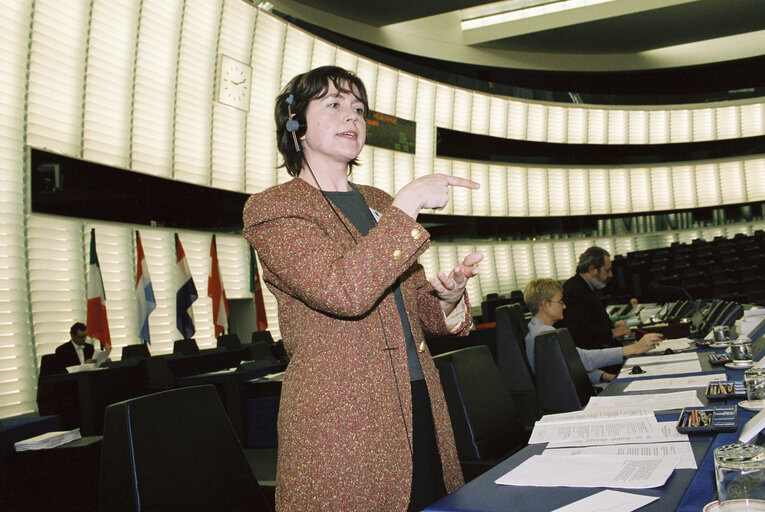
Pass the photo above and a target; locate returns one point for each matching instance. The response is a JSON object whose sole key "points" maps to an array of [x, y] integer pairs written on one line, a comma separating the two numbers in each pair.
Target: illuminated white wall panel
{"points": [[323, 53], [498, 117], [109, 82], [463, 110], [194, 96], [57, 76], [154, 89], [425, 145], [261, 156]]}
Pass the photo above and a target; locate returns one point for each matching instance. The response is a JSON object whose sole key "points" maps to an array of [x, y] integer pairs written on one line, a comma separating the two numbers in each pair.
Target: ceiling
{"points": [[596, 35]]}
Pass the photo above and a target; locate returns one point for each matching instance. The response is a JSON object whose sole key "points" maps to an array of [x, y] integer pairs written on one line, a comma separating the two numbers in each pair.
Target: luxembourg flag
{"points": [[216, 292], [98, 324], [144, 292], [186, 292]]}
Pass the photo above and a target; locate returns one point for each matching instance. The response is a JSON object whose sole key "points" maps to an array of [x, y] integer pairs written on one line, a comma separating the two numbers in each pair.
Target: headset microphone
{"points": [[293, 125]]}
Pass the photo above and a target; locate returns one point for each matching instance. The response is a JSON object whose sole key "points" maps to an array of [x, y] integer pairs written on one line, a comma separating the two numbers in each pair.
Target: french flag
{"points": [[216, 292], [98, 324], [144, 292], [186, 292]]}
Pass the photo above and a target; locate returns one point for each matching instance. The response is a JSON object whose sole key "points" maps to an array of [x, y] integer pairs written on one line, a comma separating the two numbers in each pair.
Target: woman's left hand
{"points": [[450, 288]]}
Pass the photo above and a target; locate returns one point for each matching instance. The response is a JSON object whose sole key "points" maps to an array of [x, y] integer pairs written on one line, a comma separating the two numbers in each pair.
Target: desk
{"points": [[685, 490], [62, 478], [233, 388], [81, 398]]}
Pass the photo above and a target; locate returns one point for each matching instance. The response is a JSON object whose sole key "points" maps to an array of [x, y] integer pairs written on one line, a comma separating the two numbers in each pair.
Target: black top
{"points": [[354, 206], [585, 316]]}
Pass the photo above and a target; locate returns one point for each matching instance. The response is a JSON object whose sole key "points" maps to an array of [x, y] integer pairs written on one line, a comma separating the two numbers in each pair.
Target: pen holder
{"points": [[723, 390], [708, 419], [717, 359]]}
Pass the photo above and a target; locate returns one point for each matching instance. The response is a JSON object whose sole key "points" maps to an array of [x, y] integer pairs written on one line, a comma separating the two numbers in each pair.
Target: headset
{"points": [[297, 129], [294, 125]]}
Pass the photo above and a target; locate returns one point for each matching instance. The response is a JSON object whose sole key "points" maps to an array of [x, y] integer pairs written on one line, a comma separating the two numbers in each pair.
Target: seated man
{"points": [[544, 298], [587, 322], [75, 351]]}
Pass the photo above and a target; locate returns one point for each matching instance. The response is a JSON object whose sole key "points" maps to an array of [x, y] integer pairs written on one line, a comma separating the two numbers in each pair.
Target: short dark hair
{"points": [[78, 326], [304, 88], [593, 256]]}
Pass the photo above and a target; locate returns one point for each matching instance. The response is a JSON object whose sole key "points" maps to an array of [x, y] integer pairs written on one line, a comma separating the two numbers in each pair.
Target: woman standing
{"points": [[363, 424]]}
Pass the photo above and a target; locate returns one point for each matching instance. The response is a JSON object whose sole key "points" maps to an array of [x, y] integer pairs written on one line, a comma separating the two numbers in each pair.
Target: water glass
{"points": [[721, 333], [741, 349], [740, 477], [754, 381]]}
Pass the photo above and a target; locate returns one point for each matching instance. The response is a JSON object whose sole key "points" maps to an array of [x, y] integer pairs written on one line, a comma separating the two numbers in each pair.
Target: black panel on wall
{"points": [[75, 188], [471, 146]]}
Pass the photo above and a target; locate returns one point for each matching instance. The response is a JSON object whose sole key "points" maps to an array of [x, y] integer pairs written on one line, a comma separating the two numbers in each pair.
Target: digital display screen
{"points": [[390, 132]]}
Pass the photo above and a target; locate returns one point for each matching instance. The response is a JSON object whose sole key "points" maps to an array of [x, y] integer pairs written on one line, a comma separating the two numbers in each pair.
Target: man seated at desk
{"points": [[587, 322], [544, 298], [75, 351]]}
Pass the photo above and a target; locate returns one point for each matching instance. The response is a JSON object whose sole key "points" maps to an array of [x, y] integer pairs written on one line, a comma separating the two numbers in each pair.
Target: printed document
{"points": [[664, 358], [609, 501], [653, 401], [695, 381], [605, 432], [682, 450], [613, 471], [653, 370]]}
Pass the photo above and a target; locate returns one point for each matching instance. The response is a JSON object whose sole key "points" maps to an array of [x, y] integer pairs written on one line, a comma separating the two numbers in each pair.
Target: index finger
{"points": [[456, 181]]}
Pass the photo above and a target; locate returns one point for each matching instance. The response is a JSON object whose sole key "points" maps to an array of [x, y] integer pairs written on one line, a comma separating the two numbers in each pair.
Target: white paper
{"points": [[47, 440], [101, 355], [654, 401], [271, 377], [609, 501], [674, 344], [653, 370], [605, 432], [683, 450], [695, 381], [664, 358], [597, 414], [590, 471]]}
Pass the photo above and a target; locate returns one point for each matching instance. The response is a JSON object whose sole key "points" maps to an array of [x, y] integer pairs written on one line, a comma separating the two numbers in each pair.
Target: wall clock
{"points": [[234, 83]]}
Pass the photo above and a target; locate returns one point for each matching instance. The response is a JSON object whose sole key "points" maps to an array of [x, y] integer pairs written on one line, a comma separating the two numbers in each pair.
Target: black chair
{"points": [[562, 382], [49, 365], [187, 347], [262, 337], [138, 351], [155, 375], [512, 363], [229, 342], [484, 417], [175, 450]]}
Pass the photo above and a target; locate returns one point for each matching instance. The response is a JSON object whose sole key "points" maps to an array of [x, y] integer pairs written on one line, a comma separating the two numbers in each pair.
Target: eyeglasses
{"points": [[557, 302]]}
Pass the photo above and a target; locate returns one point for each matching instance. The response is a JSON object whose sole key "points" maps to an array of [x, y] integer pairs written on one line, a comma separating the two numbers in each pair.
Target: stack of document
{"points": [[617, 443], [674, 344], [48, 440]]}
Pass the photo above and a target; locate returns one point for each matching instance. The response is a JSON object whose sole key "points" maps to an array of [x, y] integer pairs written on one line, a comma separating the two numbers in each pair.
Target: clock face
{"points": [[234, 83]]}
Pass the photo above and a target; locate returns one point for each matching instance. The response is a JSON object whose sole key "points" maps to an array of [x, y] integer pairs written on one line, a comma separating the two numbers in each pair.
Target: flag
{"points": [[186, 292], [144, 292], [98, 324], [216, 292], [257, 294]]}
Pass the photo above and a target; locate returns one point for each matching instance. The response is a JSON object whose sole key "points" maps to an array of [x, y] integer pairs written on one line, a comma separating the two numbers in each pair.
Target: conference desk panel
{"points": [[685, 490]]}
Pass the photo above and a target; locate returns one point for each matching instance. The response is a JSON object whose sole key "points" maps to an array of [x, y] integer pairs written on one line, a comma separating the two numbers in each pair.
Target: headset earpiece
{"points": [[293, 125]]}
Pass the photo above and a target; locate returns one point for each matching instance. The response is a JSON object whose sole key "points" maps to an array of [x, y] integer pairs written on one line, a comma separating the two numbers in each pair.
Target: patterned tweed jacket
{"points": [[345, 417]]}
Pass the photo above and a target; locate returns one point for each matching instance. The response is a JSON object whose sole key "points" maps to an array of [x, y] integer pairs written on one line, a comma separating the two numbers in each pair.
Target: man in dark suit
{"points": [[75, 351], [586, 317]]}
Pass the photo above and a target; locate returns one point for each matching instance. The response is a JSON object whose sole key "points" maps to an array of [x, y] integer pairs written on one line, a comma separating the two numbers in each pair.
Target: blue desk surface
{"points": [[686, 490]]}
